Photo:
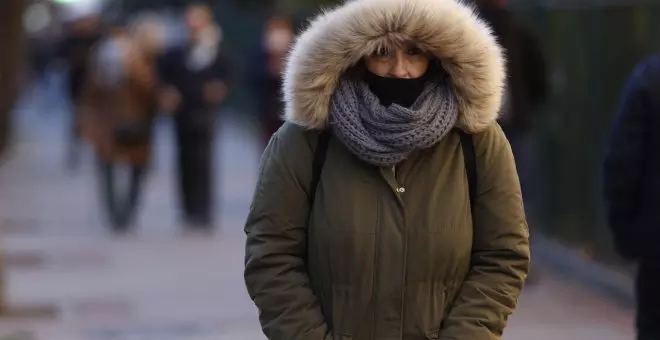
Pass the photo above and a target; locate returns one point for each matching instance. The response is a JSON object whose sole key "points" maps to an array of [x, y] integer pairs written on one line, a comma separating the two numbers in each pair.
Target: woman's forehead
{"points": [[392, 44]]}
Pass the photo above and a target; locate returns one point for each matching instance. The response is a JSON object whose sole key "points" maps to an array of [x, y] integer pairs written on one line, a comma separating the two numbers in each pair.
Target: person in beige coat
{"points": [[118, 107]]}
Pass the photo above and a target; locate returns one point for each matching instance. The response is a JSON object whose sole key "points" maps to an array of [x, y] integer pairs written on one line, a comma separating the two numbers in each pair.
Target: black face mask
{"points": [[395, 90]]}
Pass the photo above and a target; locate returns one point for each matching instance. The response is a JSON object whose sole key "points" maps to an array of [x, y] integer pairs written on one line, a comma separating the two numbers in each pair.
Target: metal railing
{"points": [[591, 50]]}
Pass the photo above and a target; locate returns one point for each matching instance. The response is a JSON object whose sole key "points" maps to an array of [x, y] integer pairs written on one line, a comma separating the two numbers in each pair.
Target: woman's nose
{"points": [[398, 69]]}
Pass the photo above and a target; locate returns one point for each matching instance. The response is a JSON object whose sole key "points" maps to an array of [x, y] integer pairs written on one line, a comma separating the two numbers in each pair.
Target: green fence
{"points": [[591, 51]]}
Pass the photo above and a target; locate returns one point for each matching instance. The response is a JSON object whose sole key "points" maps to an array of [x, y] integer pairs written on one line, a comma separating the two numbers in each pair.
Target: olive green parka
{"points": [[388, 253]]}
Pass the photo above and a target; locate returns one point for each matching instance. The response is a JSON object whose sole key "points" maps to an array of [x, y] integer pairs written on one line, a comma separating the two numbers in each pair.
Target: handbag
{"points": [[132, 133]]}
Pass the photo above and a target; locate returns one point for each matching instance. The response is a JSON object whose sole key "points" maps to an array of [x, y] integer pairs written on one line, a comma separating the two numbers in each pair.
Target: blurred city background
{"points": [[67, 274]]}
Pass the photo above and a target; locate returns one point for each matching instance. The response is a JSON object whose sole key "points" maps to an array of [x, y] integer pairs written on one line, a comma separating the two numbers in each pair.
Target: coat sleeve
{"points": [[500, 249], [142, 74], [623, 164], [276, 228]]}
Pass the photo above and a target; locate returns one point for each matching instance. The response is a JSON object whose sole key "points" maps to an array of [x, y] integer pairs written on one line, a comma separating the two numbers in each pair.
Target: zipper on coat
{"points": [[375, 287], [400, 189], [404, 274]]}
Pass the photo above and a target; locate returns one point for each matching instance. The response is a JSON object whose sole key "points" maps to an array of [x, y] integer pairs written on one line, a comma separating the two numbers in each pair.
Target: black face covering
{"points": [[395, 90]]}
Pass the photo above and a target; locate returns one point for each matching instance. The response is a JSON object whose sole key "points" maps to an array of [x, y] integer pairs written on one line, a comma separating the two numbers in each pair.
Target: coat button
{"points": [[401, 190]]}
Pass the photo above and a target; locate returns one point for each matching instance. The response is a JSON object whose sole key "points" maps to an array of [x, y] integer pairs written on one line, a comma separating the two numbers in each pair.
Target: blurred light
{"points": [[74, 9], [37, 17]]}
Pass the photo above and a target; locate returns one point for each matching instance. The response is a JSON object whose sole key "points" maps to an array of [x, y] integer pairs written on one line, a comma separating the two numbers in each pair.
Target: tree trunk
{"points": [[11, 38], [11, 62]]}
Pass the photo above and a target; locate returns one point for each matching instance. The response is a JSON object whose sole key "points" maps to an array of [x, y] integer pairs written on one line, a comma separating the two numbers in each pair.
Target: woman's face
{"points": [[198, 18], [407, 61], [278, 39]]}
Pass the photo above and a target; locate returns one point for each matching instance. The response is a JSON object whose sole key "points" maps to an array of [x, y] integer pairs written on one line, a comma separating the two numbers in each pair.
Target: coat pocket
{"points": [[132, 133], [430, 306], [343, 238], [433, 335], [341, 313], [351, 315]]}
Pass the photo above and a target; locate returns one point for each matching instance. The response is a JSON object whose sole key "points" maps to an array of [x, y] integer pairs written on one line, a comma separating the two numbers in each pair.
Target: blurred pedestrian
{"points": [[388, 205], [266, 73], [195, 77], [83, 33], [632, 185], [120, 100], [527, 81], [43, 36]]}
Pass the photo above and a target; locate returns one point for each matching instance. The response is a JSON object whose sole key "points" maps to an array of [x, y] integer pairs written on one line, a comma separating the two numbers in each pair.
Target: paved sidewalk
{"points": [[159, 284]]}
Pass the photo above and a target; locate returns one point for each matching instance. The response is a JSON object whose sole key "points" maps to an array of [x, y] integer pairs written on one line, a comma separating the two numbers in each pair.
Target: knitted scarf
{"points": [[384, 136]]}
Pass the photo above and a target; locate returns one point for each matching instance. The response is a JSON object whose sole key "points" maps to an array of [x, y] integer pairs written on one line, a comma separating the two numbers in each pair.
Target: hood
{"points": [[338, 39]]}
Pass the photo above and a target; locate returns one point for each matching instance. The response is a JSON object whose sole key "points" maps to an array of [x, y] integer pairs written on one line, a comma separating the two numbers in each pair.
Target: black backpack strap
{"points": [[467, 144], [469, 156], [317, 164]]}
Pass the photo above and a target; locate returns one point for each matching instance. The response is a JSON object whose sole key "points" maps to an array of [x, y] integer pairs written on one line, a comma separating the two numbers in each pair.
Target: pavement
{"points": [[161, 284]]}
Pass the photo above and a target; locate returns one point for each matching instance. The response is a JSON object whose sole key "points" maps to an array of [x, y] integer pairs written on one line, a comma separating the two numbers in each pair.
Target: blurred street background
{"points": [[66, 274], [160, 284]]}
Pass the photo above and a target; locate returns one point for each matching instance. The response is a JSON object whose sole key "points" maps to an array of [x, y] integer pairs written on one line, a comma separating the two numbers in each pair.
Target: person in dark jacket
{"points": [[632, 186], [527, 81], [266, 73], [383, 241], [76, 48], [196, 79]]}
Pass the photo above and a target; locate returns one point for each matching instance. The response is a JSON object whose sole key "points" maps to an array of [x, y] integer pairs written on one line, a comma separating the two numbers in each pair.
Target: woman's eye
{"points": [[381, 53], [414, 51]]}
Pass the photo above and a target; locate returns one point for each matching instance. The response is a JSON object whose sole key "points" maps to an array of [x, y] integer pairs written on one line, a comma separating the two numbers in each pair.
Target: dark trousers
{"points": [[74, 138], [648, 300], [195, 164], [121, 206]]}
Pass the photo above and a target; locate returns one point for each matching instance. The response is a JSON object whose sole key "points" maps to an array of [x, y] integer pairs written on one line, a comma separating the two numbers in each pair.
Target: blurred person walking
{"points": [[195, 79], [82, 35], [527, 81], [632, 185], [266, 73], [119, 104], [388, 204], [43, 36]]}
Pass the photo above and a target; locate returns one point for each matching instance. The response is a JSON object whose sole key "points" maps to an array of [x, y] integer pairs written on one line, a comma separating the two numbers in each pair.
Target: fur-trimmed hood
{"points": [[338, 39]]}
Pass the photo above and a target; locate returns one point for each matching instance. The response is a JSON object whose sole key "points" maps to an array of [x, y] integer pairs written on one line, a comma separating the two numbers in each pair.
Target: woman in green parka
{"points": [[387, 243]]}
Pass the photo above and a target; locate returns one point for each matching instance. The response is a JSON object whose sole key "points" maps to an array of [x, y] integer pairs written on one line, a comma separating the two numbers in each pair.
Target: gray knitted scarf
{"points": [[384, 136]]}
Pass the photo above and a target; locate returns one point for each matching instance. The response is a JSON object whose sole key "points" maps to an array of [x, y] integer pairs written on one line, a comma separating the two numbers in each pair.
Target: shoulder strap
{"points": [[317, 164], [467, 144], [469, 156]]}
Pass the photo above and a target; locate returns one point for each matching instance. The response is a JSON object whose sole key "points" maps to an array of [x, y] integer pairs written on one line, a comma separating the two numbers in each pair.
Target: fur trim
{"points": [[338, 39]]}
